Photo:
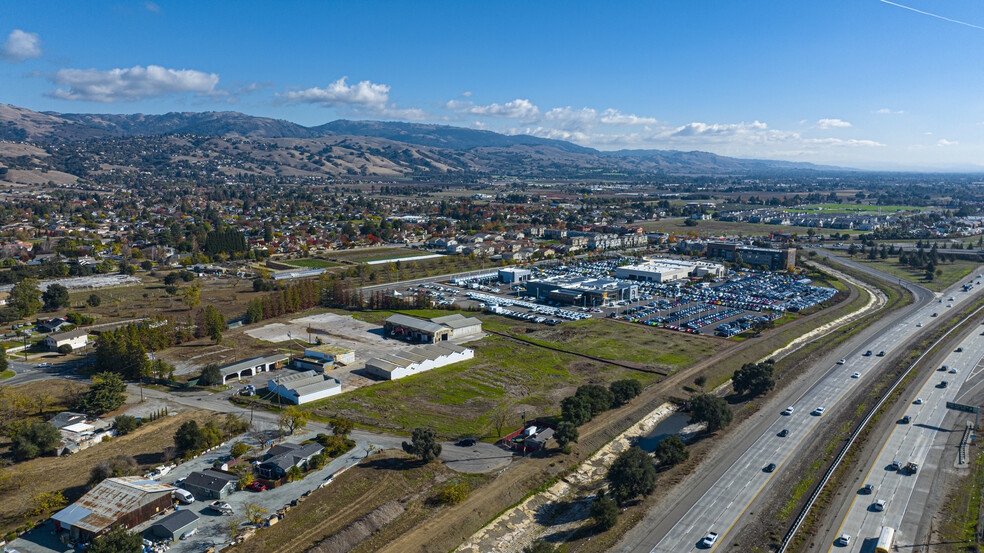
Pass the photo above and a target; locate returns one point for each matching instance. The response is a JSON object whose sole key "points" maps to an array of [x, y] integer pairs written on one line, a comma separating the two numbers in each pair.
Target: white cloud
{"points": [[614, 117], [21, 46], [842, 142], [466, 94], [717, 129], [130, 85], [152, 7], [945, 142], [519, 108], [886, 111], [365, 94], [832, 123]]}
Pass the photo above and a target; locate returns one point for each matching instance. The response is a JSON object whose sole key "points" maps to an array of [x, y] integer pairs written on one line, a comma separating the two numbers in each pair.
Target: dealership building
{"points": [[582, 291], [667, 270], [772, 258]]}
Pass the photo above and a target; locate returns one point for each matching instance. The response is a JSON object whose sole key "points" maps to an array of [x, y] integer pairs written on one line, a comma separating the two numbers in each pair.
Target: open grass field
{"points": [[952, 272], [460, 399], [374, 254], [19, 483], [312, 263], [677, 226], [377, 480], [848, 208]]}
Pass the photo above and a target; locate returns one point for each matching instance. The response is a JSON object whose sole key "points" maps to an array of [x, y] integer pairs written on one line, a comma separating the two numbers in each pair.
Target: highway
{"points": [[913, 442], [727, 499]]}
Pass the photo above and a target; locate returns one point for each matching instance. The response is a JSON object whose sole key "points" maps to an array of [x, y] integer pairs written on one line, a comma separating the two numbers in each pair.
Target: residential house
{"points": [[281, 457], [77, 339], [210, 484]]}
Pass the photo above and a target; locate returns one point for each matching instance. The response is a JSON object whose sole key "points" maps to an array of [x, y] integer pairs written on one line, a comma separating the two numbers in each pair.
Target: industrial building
{"points": [[336, 354], [582, 291], [128, 501], [667, 270], [304, 387], [434, 330], [252, 367], [175, 525], [772, 258], [417, 360], [513, 275]]}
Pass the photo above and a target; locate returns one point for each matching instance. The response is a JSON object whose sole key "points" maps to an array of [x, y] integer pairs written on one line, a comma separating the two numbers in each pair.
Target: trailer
{"points": [[885, 540]]}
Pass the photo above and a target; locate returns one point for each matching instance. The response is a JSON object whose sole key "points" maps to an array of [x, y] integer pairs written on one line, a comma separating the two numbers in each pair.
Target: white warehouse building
{"points": [[667, 270], [417, 360], [304, 387]]}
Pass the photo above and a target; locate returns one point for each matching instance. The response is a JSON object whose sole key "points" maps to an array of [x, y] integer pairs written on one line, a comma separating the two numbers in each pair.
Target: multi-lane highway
{"points": [[727, 499], [905, 494]]}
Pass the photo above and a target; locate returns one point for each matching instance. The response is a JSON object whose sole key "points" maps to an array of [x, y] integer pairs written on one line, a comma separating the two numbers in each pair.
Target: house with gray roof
{"points": [[211, 484], [281, 457]]}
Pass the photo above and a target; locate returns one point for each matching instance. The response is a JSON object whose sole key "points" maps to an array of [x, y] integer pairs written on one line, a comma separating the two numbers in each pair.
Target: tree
{"points": [[632, 474], [192, 296], [671, 450], [599, 398], [713, 410], [254, 514], [114, 467], [54, 297], [423, 444], [94, 300], [107, 393], [213, 323], [604, 511], [211, 375], [245, 473], [499, 418], [341, 427], [624, 390], [232, 528], [565, 434], [65, 349], [25, 298], [239, 449], [700, 381], [690, 222], [575, 409], [754, 378], [189, 437], [117, 540], [294, 474], [146, 264], [124, 424], [34, 439], [293, 419], [539, 546], [44, 502], [4, 364]]}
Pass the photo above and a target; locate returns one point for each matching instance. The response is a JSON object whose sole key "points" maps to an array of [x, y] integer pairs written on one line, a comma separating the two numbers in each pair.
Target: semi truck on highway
{"points": [[885, 540]]}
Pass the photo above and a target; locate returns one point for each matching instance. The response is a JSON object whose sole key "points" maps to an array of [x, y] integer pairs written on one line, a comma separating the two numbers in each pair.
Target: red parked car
{"points": [[256, 486]]}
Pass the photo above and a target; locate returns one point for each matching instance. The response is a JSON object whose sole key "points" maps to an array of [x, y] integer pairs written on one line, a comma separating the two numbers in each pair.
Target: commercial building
{"points": [[304, 387], [252, 367], [128, 501], [281, 457], [417, 360], [77, 339], [667, 270], [433, 330], [210, 484], [511, 275], [582, 291], [772, 258], [175, 525]]}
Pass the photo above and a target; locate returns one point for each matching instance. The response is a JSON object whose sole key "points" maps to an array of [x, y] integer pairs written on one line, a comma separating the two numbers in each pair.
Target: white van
{"points": [[184, 496]]}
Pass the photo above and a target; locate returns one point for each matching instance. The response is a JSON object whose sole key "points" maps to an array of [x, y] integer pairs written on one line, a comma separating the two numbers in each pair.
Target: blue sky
{"points": [[864, 83]]}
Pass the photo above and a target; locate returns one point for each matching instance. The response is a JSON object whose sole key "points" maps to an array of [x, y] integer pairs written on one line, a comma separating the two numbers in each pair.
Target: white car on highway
{"points": [[856, 375], [788, 411], [42, 365], [819, 411], [918, 401], [710, 539], [842, 361]]}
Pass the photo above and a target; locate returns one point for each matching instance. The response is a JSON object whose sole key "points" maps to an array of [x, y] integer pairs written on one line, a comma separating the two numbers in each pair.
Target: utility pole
{"points": [[524, 433]]}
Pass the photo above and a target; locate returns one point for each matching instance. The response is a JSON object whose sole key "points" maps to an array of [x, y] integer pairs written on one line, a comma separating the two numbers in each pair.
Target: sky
{"points": [[872, 84]]}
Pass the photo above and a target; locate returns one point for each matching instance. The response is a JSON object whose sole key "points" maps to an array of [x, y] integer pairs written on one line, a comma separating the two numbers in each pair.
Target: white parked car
{"points": [[844, 539]]}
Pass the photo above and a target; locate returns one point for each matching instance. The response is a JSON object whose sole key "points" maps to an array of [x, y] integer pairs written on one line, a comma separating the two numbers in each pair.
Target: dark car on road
{"points": [[784, 432], [867, 489], [770, 467], [466, 442]]}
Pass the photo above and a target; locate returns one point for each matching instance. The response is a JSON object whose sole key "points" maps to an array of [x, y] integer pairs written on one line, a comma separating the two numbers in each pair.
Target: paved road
{"points": [[922, 441], [723, 502]]}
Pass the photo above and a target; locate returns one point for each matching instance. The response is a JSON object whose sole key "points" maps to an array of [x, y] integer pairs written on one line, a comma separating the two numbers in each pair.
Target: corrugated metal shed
{"points": [[111, 500]]}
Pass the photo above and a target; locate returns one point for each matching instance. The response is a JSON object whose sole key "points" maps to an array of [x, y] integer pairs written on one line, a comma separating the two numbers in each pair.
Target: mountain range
{"points": [[468, 149]]}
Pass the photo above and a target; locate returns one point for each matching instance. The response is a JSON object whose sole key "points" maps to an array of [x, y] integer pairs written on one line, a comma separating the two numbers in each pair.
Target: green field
{"points": [[375, 254], [848, 208], [952, 272], [677, 226], [312, 263]]}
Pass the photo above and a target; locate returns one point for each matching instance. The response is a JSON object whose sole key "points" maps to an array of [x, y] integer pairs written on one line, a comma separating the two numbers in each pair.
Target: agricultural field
{"points": [[848, 208]]}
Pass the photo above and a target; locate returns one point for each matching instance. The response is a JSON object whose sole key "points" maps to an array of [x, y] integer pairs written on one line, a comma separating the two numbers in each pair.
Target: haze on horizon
{"points": [[861, 83]]}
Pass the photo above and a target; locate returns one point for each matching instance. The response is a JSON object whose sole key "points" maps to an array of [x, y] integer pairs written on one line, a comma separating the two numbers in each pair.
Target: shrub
{"points": [[124, 424], [452, 494]]}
